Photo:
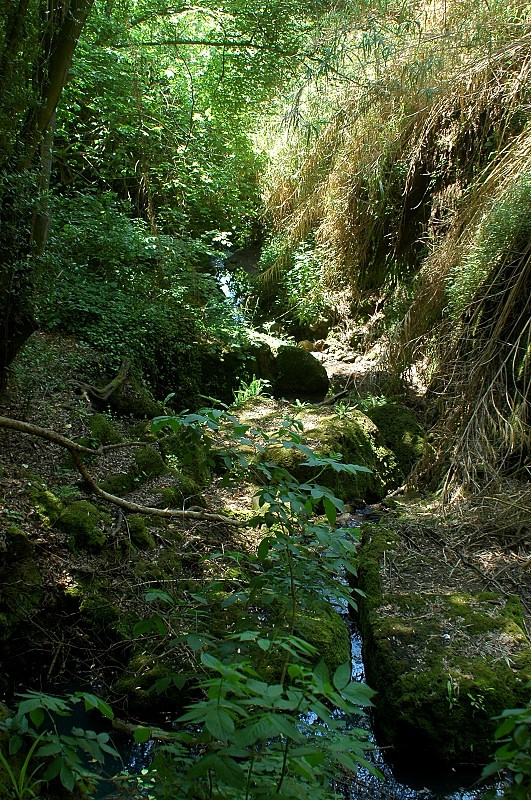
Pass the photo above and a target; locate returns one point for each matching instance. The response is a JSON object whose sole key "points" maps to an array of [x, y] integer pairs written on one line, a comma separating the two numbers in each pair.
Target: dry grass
{"points": [[404, 184]]}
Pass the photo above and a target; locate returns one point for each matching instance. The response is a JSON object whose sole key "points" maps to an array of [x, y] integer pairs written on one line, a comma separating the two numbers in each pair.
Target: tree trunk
{"points": [[21, 219]]}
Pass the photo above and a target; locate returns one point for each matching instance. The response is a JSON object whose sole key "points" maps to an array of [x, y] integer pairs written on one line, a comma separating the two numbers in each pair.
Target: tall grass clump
{"points": [[430, 92], [415, 184]]}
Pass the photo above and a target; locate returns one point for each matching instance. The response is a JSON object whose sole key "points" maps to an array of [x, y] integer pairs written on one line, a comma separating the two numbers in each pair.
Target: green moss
{"points": [[120, 484], [402, 433], [82, 521], [139, 534], [359, 442], [184, 493], [442, 666], [133, 398], [103, 431], [149, 463], [375, 542], [325, 629], [48, 506]]}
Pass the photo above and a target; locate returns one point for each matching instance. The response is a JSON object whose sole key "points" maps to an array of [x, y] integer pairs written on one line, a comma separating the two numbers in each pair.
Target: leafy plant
{"points": [[514, 754], [254, 388], [35, 747], [262, 729], [23, 784]]}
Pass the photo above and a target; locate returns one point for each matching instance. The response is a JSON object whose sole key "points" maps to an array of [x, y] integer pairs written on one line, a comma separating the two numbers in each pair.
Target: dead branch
{"points": [[76, 449], [102, 395]]}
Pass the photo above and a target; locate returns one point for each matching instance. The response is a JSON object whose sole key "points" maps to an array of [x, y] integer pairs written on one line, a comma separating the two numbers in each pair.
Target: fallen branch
{"points": [[76, 449], [102, 395], [135, 508]]}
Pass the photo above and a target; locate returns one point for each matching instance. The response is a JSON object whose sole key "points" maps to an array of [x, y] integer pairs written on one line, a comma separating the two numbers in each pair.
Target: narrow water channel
{"points": [[399, 782]]}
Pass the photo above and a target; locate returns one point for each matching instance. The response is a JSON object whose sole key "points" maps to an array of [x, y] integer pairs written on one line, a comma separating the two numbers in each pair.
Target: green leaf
{"points": [[142, 734], [49, 749], [342, 676], [219, 723], [93, 701], [15, 743], [330, 510], [264, 548], [37, 716], [158, 594]]}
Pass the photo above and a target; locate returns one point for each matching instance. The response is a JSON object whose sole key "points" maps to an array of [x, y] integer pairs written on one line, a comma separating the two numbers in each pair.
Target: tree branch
{"points": [[76, 449]]}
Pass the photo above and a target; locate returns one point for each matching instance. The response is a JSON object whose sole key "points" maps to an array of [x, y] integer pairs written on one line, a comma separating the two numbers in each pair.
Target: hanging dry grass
{"points": [[481, 274]]}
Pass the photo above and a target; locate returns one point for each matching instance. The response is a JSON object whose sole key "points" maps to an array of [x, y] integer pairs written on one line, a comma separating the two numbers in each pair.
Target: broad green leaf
{"points": [[219, 723], [142, 734], [342, 676], [67, 777], [330, 510]]}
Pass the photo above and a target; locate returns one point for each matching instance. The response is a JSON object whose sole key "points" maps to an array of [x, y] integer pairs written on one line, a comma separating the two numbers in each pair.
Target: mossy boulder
{"points": [[48, 506], [401, 431], [102, 430], [138, 532], [321, 626], [149, 463], [119, 484], [134, 399], [443, 663], [325, 629], [351, 434], [299, 375], [83, 521], [183, 493]]}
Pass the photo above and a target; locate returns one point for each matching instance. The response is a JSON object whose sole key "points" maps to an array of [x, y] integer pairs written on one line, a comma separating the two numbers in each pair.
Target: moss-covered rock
{"points": [[139, 533], [443, 663], [402, 433], [82, 520], [119, 484], [133, 398], [149, 463], [299, 375], [325, 630], [183, 493], [102, 430], [352, 434], [48, 506]]}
